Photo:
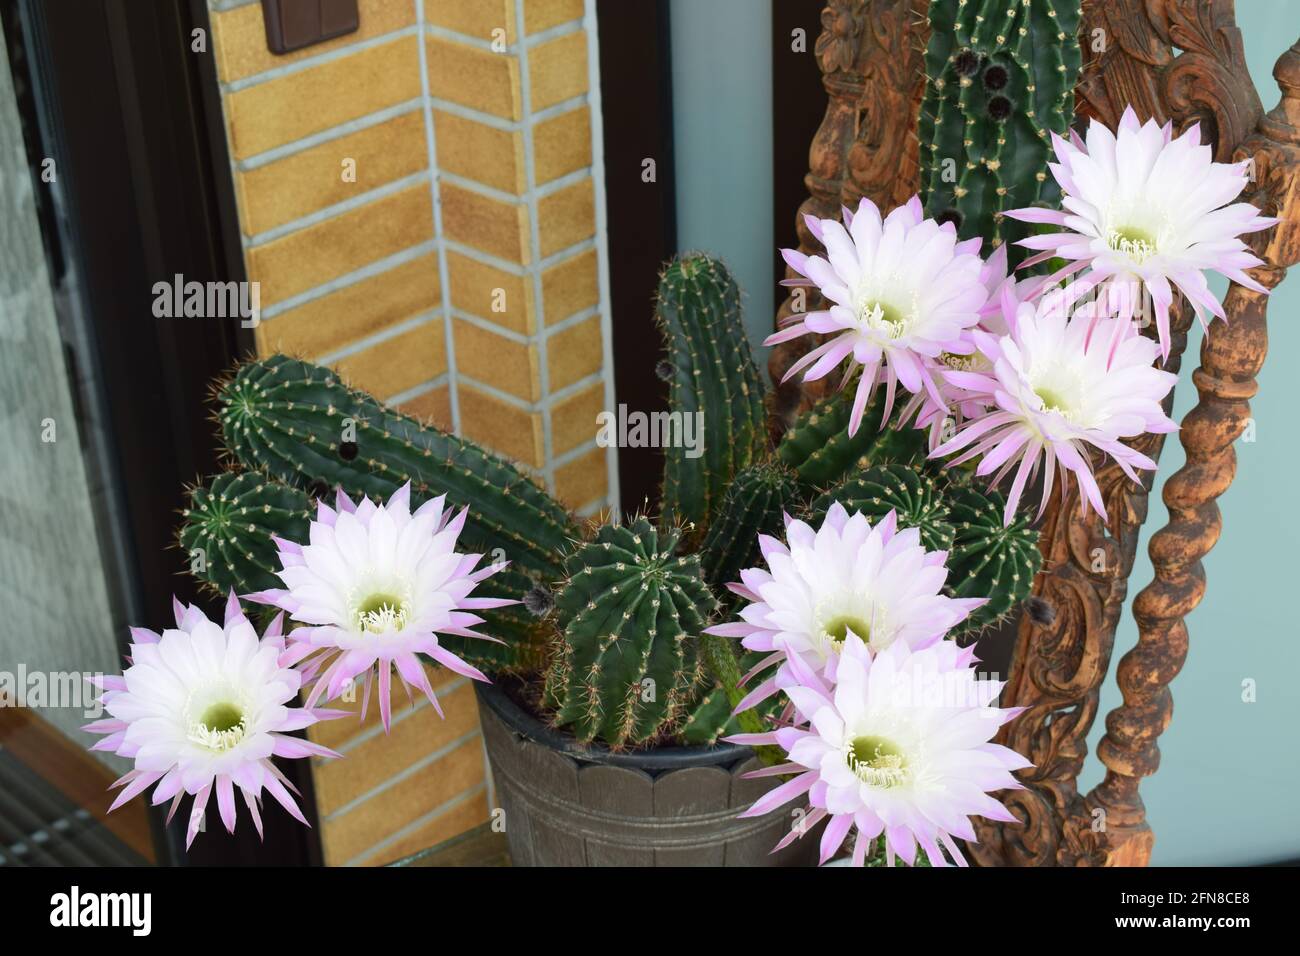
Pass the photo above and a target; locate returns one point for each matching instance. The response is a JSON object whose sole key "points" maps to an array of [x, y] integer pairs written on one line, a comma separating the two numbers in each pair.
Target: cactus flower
{"points": [[374, 588], [1059, 384], [898, 748], [902, 291], [845, 577], [202, 708], [1145, 210]]}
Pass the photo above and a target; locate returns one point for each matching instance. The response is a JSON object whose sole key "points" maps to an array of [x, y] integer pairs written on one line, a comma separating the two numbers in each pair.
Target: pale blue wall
{"points": [[722, 131], [1229, 787]]}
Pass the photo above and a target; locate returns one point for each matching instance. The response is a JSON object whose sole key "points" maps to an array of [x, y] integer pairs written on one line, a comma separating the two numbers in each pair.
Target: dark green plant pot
{"points": [[570, 804]]}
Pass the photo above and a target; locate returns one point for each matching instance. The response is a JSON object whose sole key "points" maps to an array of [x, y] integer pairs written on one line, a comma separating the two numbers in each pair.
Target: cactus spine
{"points": [[629, 661], [1001, 77], [712, 376]]}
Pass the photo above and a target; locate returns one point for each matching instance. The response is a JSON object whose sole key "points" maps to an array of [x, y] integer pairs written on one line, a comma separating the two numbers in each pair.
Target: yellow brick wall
{"points": [[455, 275]]}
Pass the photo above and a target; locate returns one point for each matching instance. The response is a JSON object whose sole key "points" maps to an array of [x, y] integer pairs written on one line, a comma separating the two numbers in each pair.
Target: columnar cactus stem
{"points": [[712, 378], [300, 424], [1001, 77]]}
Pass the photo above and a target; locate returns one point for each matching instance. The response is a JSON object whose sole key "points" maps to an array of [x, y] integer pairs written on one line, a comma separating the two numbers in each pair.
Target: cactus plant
{"points": [[227, 535], [755, 504], [299, 423], [988, 559], [820, 450], [632, 611], [228, 527], [1000, 80], [712, 375], [914, 497]]}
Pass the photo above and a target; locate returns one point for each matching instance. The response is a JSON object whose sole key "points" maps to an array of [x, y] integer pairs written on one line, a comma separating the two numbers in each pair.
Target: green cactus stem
{"points": [[632, 611], [987, 559], [300, 424], [1000, 80], [913, 496], [713, 380], [755, 504], [226, 534], [821, 452]]}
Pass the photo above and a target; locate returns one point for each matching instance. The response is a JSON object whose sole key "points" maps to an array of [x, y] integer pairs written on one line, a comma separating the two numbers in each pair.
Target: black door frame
{"points": [[131, 115]]}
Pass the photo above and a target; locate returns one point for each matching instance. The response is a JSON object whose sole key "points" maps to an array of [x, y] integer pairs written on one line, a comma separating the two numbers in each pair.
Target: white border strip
{"points": [[602, 241]]}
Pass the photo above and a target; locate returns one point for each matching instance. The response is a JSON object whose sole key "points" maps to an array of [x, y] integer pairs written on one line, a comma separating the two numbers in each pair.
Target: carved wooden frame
{"points": [[1178, 60]]}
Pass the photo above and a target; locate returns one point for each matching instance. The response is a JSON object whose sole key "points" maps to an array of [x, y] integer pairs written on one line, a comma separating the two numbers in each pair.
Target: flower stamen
{"points": [[380, 613], [877, 762], [221, 726], [1138, 244]]}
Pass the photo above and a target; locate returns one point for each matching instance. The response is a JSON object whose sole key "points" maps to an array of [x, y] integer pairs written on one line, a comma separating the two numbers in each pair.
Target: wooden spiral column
{"points": [[1231, 357]]}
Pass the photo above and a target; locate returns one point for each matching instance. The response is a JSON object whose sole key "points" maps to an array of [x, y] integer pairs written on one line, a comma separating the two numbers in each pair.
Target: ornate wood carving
{"points": [[869, 52], [1176, 60]]}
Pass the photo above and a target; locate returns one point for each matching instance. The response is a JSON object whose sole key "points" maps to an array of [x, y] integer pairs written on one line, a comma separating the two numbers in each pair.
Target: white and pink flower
{"points": [[202, 709], [899, 748], [844, 577], [1146, 212], [374, 589], [1059, 384], [902, 291]]}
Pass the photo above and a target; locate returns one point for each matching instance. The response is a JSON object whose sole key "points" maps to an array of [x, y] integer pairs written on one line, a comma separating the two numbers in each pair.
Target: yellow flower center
{"points": [[381, 612], [1137, 244], [222, 722], [877, 761]]}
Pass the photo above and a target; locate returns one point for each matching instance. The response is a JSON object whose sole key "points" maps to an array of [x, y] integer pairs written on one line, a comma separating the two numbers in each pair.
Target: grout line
{"points": [[338, 209], [535, 241], [601, 242], [266, 157], [501, 195], [318, 59], [514, 401], [367, 271], [488, 325], [360, 123], [383, 335], [582, 384], [591, 508], [522, 338], [512, 49], [442, 808], [514, 268], [573, 454], [408, 771], [577, 318], [415, 391], [503, 124], [444, 277]]}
